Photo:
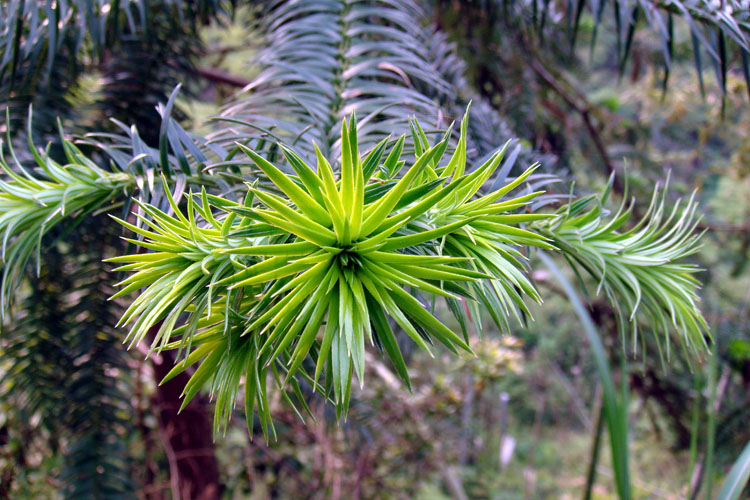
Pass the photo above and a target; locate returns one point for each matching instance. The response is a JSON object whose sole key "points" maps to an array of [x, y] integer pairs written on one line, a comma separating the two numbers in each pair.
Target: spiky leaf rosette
{"points": [[295, 280], [314, 266]]}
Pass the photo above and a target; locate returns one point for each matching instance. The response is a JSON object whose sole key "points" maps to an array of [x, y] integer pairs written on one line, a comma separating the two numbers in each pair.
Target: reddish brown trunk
{"points": [[187, 437]]}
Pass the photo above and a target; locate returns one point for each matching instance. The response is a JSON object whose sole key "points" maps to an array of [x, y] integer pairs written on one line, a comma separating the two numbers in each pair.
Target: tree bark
{"points": [[187, 436]]}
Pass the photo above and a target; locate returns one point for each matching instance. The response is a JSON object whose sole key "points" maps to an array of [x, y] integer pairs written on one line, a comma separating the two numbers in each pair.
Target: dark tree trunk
{"points": [[187, 436]]}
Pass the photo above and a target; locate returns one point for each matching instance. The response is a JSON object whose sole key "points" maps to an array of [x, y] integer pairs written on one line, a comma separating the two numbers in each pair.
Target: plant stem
{"points": [[595, 445]]}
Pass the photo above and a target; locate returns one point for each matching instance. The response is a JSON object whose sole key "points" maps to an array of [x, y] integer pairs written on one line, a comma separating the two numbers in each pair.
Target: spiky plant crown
{"points": [[291, 283]]}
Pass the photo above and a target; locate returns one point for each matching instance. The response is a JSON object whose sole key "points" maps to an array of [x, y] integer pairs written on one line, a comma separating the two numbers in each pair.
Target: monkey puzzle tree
{"points": [[268, 255]]}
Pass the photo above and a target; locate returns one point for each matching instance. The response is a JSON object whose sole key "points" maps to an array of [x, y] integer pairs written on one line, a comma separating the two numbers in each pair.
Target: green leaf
{"points": [[737, 478], [387, 339], [614, 408], [377, 212], [419, 238], [284, 249], [305, 203], [413, 308], [306, 174]]}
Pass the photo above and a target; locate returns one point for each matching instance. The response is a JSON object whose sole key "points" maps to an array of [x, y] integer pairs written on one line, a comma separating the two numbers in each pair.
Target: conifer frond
{"points": [[293, 282], [322, 62], [33, 202], [323, 251], [640, 268], [63, 363]]}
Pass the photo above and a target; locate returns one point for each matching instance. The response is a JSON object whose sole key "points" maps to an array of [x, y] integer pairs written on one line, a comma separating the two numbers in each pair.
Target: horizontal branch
{"points": [[218, 76]]}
